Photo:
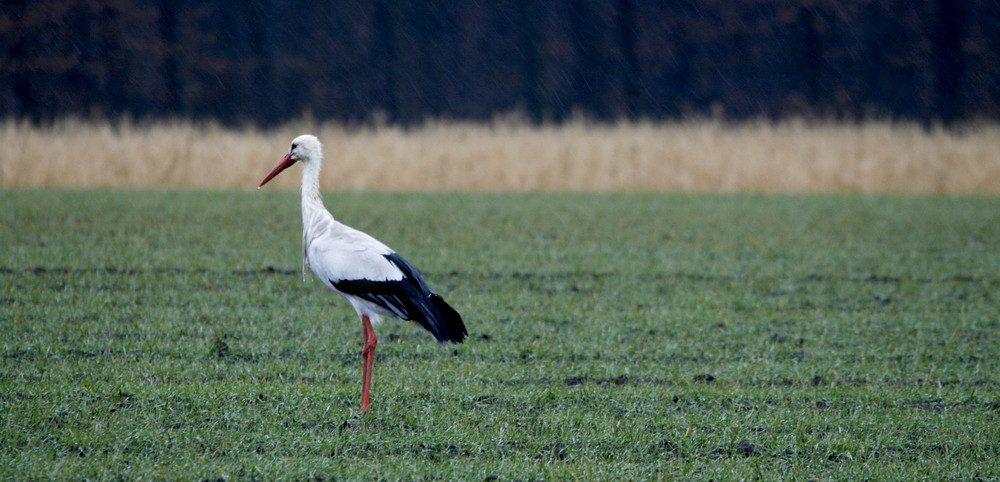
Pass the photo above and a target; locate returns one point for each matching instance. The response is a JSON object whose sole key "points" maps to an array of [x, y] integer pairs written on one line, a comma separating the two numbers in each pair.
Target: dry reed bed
{"points": [[793, 156]]}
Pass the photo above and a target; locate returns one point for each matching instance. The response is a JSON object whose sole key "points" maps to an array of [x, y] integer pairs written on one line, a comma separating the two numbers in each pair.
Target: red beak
{"points": [[284, 164]]}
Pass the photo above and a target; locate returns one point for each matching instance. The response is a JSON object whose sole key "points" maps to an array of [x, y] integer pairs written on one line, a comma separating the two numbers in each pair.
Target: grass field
{"points": [[170, 334]]}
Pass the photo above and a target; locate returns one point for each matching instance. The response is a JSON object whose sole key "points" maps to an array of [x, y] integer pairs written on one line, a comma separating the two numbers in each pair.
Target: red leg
{"points": [[368, 357]]}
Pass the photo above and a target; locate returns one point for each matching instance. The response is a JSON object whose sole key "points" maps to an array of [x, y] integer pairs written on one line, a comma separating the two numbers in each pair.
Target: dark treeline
{"points": [[402, 61]]}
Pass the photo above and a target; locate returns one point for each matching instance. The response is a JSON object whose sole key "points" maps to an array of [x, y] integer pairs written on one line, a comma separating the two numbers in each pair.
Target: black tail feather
{"points": [[448, 326]]}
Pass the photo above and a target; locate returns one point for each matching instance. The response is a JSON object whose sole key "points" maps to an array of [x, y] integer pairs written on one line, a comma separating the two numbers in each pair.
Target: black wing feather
{"points": [[410, 299]]}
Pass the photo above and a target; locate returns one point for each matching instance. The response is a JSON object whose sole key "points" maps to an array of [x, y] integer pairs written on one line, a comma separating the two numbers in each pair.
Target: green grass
{"points": [[171, 335]]}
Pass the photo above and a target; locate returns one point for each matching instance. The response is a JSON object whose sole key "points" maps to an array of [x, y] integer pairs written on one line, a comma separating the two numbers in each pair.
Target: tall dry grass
{"points": [[792, 156]]}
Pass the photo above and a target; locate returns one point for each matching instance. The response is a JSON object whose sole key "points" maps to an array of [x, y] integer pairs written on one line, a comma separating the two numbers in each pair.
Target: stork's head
{"points": [[305, 148]]}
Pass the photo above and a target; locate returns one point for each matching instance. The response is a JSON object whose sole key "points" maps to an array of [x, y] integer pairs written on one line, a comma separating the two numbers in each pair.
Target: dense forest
{"points": [[402, 61]]}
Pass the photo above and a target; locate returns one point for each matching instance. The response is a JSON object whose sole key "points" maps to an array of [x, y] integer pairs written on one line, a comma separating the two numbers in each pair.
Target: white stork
{"points": [[377, 281]]}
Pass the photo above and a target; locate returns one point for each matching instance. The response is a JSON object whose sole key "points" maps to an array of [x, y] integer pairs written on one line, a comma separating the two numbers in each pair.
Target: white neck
{"points": [[315, 217], [312, 203]]}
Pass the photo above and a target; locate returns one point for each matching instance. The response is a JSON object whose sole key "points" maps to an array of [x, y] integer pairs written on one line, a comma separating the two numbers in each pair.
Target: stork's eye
{"points": [[294, 145]]}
